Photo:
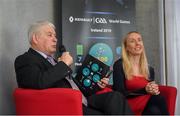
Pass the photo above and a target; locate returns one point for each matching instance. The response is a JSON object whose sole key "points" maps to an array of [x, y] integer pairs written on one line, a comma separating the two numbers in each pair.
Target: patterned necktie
{"points": [[51, 60]]}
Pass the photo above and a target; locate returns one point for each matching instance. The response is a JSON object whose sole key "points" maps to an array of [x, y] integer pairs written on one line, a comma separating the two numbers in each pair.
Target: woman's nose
{"points": [[137, 42]]}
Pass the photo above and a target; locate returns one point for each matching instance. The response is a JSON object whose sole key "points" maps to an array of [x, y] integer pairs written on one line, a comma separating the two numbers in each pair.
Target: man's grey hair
{"points": [[34, 28]]}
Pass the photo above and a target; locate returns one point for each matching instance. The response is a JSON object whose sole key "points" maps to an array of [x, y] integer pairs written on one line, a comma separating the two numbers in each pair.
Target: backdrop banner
{"points": [[96, 27]]}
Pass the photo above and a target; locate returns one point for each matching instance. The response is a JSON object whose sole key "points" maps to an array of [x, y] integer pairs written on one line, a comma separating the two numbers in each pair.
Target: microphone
{"points": [[61, 49]]}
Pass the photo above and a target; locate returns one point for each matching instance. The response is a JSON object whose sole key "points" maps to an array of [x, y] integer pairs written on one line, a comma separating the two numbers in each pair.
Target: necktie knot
{"points": [[51, 60]]}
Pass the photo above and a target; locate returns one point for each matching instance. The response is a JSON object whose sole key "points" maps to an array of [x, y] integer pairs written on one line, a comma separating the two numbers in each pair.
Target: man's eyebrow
{"points": [[49, 32]]}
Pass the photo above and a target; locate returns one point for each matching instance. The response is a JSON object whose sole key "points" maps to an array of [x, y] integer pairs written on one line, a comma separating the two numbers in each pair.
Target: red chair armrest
{"points": [[170, 94], [48, 101], [105, 90]]}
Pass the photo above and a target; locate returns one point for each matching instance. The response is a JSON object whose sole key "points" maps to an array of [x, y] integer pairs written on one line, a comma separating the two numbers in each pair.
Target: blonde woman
{"points": [[134, 78]]}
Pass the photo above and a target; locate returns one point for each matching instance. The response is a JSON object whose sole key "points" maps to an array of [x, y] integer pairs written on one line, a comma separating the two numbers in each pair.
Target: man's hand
{"points": [[103, 83], [66, 58]]}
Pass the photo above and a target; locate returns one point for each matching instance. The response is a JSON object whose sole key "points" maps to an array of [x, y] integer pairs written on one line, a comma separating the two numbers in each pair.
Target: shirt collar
{"points": [[42, 54]]}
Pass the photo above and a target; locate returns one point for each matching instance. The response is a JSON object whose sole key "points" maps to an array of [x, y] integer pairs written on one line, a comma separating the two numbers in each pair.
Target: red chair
{"points": [[67, 101], [170, 94], [61, 101]]}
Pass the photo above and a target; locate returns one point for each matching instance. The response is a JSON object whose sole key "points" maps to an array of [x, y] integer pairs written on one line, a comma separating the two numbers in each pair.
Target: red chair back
{"points": [[48, 101], [170, 94]]}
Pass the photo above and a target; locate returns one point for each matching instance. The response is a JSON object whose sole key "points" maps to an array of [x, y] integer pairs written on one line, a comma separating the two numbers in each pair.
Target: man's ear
{"points": [[34, 39]]}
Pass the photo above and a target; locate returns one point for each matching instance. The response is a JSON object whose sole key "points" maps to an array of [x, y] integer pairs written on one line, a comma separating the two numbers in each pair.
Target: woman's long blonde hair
{"points": [[127, 66]]}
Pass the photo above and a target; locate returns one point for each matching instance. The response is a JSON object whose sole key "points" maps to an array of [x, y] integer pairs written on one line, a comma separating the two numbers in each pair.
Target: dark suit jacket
{"points": [[119, 80], [34, 71]]}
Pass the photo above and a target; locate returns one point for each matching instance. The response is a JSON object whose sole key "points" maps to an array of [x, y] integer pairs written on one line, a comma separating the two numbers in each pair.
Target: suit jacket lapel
{"points": [[41, 58]]}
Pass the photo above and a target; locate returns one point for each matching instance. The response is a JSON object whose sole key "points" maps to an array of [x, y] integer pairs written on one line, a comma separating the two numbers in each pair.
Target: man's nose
{"points": [[55, 39]]}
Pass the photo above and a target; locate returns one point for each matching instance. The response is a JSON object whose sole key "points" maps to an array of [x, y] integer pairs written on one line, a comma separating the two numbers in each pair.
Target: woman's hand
{"points": [[152, 88], [103, 83]]}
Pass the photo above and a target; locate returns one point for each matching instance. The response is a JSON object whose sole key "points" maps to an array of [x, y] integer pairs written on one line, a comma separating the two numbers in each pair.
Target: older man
{"points": [[37, 69]]}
